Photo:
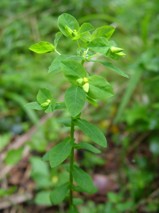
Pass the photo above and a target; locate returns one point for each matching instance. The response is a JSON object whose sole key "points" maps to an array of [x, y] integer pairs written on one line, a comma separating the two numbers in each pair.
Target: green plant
{"points": [[91, 45]]}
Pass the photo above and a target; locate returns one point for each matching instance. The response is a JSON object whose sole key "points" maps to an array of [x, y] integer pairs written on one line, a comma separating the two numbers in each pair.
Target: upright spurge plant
{"points": [[92, 45]]}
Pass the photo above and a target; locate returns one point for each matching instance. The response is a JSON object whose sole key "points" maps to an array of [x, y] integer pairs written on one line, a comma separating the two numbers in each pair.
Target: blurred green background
{"points": [[127, 172]]}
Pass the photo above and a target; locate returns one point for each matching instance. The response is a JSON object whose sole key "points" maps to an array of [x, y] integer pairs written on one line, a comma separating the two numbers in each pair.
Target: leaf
{"points": [[60, 105], [84, 32], [34, 105], [85, 27], [43, 95], [57, 38], [60, 152], [73, 70], [45, 99], [40, 173], [104, 31], [99, 88], [78, 201], [92, 131], [67, 24], [13, 156], [83, 180], [73, 209], [92, 101], [59, 194], [112, 67], [88, 147], [43, 198], [50, 107], [75, 99], [46, 156], [39, 167], [56, 63], [62, 177], [100, 45], [42, 47]]}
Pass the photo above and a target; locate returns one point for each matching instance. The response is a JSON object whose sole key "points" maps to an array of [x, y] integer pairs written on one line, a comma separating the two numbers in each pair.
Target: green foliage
{"points": [[88, 147], [45, 100], [68, 25], [56, 64], [84, 87], [25, 72], [83, 180], [73, 209], [42, 47], [43, 198], [92, 131], [59, 193], [115, 203], [13, 156], [112, 67], [75, 99], [99, 88], [59, 153], [40, 173], [104, 31], [73, 70], [99, 45]]}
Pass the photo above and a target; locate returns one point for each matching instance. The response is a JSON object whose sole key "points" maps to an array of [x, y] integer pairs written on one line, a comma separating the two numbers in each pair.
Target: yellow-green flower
{"points": [[84, 83]]}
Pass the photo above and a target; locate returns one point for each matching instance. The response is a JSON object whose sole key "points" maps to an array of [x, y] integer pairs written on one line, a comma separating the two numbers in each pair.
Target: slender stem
{"points": [[57, 52], [71, 162]]}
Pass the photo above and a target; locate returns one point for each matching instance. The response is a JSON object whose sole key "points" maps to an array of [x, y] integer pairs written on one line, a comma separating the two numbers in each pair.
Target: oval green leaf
{"points": [[92, 131], [75, 99], [83, 180], [100, 45], [88, 147], [104, 31], [112, 67], [84, 31], [59, 153], [67, 24], [42, 198], [56, 64], [43, 96], [45, 100], [73, 70], [99, 88], [59, 194], [42, 47], [57, 38], [34, 105]]}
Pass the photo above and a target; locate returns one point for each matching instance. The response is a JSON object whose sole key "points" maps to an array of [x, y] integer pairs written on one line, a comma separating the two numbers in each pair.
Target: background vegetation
{"points": [[127, 175]]}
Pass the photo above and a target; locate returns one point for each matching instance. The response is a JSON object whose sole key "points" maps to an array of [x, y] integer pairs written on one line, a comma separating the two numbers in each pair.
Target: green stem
{"points": [[71, 162], [57, 52]]}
